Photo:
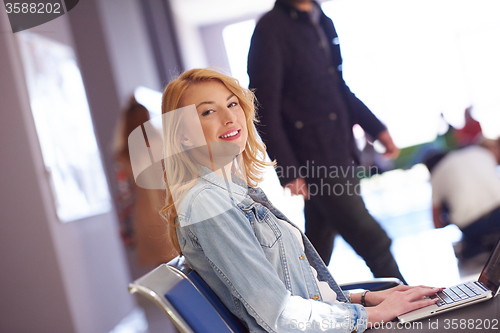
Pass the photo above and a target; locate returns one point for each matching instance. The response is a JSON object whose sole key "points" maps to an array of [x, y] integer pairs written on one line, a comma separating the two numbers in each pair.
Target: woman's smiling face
{"points": [[219, 111]]}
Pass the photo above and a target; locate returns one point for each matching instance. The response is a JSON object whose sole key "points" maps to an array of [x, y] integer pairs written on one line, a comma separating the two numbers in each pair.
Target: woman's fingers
{"points": [[417, 304], [422, 291], [419, 297], [400, 300], [375, 298]]}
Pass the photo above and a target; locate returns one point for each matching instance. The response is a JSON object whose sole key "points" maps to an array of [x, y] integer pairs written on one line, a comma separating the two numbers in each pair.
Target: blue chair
{"points": [[186, 299], [193, 307]]}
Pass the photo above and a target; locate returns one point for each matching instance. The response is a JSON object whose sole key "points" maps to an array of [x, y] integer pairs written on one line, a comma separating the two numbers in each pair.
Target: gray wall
{"points": [[66, 277]]}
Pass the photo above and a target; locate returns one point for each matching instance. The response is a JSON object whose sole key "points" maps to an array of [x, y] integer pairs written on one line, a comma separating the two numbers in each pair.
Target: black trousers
{"points": [[481, 235], [335, 207]]}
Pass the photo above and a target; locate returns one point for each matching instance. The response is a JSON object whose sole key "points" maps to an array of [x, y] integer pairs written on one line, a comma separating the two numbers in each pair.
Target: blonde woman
{"points": [[261, 266]]}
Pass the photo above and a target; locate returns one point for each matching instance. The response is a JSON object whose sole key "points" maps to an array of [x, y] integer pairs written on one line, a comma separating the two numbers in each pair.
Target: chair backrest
{"points": [[372, 285], [186, 299]]}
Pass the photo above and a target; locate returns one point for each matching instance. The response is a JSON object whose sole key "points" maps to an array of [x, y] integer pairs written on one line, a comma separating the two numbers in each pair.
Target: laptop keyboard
{"points": [[459, 292]]}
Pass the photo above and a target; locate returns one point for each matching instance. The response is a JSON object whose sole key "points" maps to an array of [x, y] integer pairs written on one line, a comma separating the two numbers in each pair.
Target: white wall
{"points": [[128, 46]]}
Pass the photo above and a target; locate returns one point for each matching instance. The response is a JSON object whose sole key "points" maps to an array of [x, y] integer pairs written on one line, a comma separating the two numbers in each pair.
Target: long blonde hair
{"points": [[181, 169]]}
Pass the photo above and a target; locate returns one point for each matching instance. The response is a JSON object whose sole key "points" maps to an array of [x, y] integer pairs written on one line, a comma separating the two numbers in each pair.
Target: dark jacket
{"points": [[306, 109]]}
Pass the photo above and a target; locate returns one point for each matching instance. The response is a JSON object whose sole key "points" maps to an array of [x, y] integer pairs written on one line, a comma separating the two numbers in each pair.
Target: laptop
{"points": [[486, 287]]}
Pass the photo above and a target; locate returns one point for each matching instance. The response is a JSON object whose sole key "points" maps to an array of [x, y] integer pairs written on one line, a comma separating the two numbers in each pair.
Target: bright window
{"points": [[410, 61], [237, 41]]}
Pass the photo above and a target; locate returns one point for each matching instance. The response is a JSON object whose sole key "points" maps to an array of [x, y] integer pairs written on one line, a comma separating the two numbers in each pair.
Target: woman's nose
{"points": [[228, 116]]}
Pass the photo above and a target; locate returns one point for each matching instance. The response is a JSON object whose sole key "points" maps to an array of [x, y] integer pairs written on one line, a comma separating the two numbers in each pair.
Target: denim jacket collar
{"points": [[235, 184]]}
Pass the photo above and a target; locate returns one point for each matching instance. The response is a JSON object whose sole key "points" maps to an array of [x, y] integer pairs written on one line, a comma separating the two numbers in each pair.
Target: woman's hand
{"points": [[393, 302], [374, 298]]}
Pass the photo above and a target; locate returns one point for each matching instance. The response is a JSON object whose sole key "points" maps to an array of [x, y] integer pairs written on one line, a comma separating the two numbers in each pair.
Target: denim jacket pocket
{"points": [[264, 224]]}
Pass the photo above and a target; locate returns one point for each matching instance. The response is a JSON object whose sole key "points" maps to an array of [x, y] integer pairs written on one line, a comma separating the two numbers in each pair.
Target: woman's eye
{"points": [[206, 113], [232, 104]]}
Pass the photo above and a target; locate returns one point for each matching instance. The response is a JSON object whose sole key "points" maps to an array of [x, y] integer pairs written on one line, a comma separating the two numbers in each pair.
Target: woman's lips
{"points": [[231, 135]]}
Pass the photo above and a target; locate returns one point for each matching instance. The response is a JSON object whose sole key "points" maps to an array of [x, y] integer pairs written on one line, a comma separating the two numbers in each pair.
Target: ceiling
{"points": [[204, 12]]}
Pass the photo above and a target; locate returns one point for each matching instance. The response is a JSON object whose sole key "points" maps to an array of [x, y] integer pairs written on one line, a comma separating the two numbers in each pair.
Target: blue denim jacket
{"points": [[232, 237]]}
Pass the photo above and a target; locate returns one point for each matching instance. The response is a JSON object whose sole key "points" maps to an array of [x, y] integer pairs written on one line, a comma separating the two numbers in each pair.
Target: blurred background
{"points": [[418, 65]]}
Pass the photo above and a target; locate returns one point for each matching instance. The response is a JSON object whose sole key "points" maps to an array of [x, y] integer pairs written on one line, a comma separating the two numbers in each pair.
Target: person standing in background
{"points": [[307, 113]]}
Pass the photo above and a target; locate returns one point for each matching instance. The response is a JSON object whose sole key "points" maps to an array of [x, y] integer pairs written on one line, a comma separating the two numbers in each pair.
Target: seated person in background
{"points": [[466, 181], [141, 228], [261, 266]]}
